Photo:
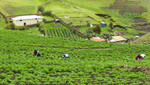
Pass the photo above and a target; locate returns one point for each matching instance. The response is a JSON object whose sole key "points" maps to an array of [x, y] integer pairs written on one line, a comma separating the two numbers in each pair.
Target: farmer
{"points": [[103, 24], [66, 56], [140, 56], [36, 53]]}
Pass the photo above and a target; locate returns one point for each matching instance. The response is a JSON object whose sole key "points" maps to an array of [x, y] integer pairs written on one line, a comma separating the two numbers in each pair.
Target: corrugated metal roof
{"points": [[25, 17]]}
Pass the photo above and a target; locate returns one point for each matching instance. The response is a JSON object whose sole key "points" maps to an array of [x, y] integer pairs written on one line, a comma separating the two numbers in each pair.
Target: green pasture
{"points": [[92, 7], [48, 18], [84, 29], [80, 21], [61, 9], [19, 7], [88, 7]]}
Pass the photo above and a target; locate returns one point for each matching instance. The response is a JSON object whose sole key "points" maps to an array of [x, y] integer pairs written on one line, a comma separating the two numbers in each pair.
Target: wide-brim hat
{"points": [[143, 55]]}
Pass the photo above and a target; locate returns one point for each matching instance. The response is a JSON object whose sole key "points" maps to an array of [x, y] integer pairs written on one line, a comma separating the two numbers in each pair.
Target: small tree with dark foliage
{"points": [[97, 29], [41, 8], [10, 26]]}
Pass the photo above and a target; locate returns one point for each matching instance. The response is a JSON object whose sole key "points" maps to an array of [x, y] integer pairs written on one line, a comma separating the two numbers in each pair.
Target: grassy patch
{"points": [[80, 21], [2, 22], [19, 7], [48, 18], [132, 31], [144, 40], [105, 30], [84, 29], [118, 29], [33, 31]]}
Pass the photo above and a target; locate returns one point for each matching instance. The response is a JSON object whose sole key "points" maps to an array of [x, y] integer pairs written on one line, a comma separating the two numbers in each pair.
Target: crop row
{"points": [[62, 33]]}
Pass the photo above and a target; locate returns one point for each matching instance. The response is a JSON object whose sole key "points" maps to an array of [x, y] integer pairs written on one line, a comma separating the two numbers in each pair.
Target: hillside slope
{"points": [[144, 40], [19, 7], [91, 62]]}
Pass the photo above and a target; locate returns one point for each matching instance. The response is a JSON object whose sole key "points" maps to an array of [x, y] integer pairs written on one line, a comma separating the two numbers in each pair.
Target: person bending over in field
{"points": [[66, 56], [140, 56], [36, 53]]}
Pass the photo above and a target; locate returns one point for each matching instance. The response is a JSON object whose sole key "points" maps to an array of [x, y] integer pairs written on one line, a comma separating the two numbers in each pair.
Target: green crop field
{"points": [[2, 22], [59, 30], [91, 62]]}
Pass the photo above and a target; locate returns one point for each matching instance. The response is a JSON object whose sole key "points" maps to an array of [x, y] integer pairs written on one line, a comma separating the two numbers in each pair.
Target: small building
{"points": [[97, 39], [27, 20]]}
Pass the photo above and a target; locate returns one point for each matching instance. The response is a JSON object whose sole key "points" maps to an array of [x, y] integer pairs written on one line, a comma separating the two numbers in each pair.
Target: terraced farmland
{"points": [[59, 30], [62, 33]]}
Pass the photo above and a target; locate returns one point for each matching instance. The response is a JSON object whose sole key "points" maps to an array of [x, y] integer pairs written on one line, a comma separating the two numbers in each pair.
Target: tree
{"points": [[97, 29], [111, 25], [10, 26], [41, 8]]}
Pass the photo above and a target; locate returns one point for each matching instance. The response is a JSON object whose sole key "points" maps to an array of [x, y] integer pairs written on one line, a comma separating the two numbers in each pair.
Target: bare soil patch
{"points": [[139, 20], [141, 34], [144, 28]]}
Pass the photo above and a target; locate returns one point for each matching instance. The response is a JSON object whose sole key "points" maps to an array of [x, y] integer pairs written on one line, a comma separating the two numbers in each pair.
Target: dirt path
{"points": [[71, 6]]}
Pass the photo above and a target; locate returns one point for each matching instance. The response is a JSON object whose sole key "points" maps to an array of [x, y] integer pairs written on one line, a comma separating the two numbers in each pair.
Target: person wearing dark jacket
{"points": [[36, 53]]}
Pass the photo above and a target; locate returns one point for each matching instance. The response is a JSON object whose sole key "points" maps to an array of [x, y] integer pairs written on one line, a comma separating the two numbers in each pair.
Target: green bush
{"points": [[10, 26], [47, 13], [44, 20], [42, 27], [111, 25], [97, 29], [41, 8], [21, 28], [89, 31]]}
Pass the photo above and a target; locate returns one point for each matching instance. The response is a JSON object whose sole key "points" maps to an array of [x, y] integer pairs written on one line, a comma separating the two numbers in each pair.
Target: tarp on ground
{"points": [[118, 38], [97, 39]]}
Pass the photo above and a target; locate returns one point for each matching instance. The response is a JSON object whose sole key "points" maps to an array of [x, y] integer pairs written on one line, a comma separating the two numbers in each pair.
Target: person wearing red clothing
{"points": [[140, 56]]}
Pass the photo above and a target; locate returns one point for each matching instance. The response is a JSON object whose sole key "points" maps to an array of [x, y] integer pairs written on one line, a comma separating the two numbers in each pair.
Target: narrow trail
{"points": [[71, 6]]}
